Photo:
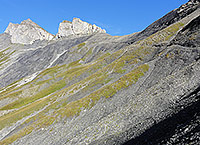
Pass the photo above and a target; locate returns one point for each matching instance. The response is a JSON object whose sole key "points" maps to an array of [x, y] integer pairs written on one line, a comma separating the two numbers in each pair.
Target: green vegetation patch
{"points": [[89, 52], [24, 101], [163, 35], [2, 53], [73, 64], [51, 71], [23, 112], [81, 45], [4, 57], [125, 81], [73, 108]]}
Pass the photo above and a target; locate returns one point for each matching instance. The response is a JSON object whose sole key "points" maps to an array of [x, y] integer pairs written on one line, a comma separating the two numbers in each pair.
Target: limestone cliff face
{"points": [[77, 27], [27, 32]]}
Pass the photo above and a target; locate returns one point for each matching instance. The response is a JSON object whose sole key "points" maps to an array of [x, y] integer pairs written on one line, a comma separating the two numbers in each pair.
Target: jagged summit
{"points": [[77, 27], [30, 22], [27, 32]]}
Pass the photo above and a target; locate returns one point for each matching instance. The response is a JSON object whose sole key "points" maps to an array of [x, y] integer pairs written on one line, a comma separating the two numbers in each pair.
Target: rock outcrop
{"points": [[77, 27], [27, 32]]}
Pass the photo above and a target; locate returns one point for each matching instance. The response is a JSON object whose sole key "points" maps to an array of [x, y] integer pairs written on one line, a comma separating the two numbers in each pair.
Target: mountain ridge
{"points": [[28, 31]]}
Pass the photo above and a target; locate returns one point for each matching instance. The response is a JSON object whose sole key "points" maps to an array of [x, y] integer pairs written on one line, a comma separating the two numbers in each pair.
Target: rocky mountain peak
{"points": [[27, 32], [77, 27], [28, 21]]}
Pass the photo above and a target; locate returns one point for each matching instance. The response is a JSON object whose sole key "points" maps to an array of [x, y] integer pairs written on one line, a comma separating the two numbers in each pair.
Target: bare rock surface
{"points": [[27, 32], [77, 27]]}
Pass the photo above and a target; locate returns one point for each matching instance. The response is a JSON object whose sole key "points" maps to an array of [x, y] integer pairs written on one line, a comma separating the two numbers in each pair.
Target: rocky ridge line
{"points": [[27, 31], [77, 27]]}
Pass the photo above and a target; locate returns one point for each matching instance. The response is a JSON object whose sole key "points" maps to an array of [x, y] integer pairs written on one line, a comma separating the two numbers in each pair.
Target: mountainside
{"points": [[83, 86]]}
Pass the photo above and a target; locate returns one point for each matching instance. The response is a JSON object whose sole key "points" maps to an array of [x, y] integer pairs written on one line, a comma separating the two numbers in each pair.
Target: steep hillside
{"points": [[92, 88]]}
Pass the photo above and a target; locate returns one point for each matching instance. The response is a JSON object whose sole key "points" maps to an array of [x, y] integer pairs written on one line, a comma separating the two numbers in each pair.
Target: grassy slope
{"points": [[54, 87]]}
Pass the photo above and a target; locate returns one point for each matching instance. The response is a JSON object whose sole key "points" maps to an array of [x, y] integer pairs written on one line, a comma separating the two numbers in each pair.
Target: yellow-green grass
{"points": [[72, 108], [89, 52], [106, 93], [51, 71], [43, 82], [10, 88], [2, 53], [75, 69], [125, 81], [104, 56], [116, 65], [12, 117], [7, 89], [128, 76], [73, 64], [81, 45], [11, 95], [4, 57], [24, 101], [163, 35]]}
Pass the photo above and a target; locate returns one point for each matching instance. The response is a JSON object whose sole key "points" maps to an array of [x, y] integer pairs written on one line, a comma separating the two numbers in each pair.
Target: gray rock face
{"points": [[190, 35], [27, 32], [77, 27]]}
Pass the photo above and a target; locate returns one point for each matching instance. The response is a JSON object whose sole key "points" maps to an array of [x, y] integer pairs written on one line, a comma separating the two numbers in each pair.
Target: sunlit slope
{"points": [[72, 98]]}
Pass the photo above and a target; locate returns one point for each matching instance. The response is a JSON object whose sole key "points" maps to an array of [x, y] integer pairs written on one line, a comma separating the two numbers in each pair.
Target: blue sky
{"points": [[118, 17]]}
